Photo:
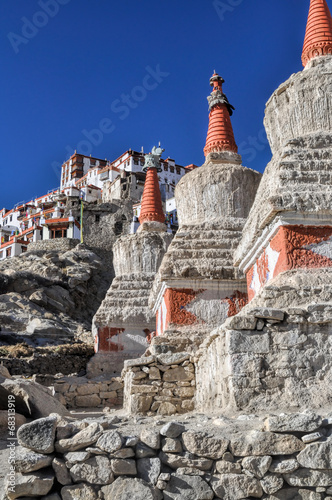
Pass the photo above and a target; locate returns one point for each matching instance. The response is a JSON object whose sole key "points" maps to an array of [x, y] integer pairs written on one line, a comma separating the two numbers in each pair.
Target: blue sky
{"points": [[68, 69]]}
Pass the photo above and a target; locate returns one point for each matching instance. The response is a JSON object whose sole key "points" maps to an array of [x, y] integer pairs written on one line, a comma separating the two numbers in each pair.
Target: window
{"points": [[97, 218], [135, 162], [178, 170], [165, 167], [172, 170]]}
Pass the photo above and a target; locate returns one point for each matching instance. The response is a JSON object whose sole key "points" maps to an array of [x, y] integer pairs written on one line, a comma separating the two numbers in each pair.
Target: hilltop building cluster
{"points": [[94, 182]]}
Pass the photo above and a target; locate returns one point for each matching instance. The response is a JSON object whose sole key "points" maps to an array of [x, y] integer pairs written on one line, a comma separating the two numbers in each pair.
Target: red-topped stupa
{"points": [[151, 208], [220, 135], [318, 37]]}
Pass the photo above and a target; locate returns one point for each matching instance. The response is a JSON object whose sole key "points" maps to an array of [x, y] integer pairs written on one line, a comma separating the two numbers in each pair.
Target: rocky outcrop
{"points": [[50, 297], [201, 458]]}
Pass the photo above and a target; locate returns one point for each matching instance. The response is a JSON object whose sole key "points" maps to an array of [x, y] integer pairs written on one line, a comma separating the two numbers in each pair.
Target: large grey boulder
{"points": [[309, 478], [29, 461], [110, 441], [258, 466], [182, 487], [151, 438], [316, 456], [30, 485], [39, 435], [203, 445], [96, 470], [61, 472], [149, 469], [133, 489], [82, 439], [296, 422], [176, 461], [34, 400], [295, 494], [172, 430], [264, 443], [236, 486], [78, 492]]}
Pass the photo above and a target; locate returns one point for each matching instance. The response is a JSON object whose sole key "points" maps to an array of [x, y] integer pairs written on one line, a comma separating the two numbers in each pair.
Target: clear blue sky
{"points": [[70, 73]]}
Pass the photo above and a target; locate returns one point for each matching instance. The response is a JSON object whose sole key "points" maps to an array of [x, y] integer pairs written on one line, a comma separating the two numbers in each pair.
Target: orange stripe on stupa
{"points": [[151, 208], [318, 37], [220, 135]]}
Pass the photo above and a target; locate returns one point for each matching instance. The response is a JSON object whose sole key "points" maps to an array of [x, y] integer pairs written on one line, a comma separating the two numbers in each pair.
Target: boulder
{"points": [[264, 443], [151, 438], [272, 483], [203, 445], [96, 470], [149, 470], [236, 486], [61, 472], [309, 478], [258, 466], [172, 430], [316, 456], [124, 467], [295, 422], [29, 461], [82, 439], [30, 485], [32, 399], [78, 492], [176, 461], [133, 489], [284, 465], [39, 435], [182, 487], [110, 441]]}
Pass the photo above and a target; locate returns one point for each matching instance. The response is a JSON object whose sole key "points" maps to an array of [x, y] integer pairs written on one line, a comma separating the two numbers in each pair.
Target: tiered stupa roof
{"points": [[220, 135], [318, 37]]}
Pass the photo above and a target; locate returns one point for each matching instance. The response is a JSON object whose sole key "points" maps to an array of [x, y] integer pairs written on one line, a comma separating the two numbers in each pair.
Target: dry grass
{"points": [[24, 351]]}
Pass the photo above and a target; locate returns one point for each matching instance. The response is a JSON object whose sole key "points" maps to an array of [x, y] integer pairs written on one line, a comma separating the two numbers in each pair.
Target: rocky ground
{"points": [[49, 297]]}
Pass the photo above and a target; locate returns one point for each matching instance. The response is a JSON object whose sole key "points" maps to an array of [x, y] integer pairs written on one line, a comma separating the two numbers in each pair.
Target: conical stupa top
{"points": [[151, 207], [220, 135], [318, 37]]}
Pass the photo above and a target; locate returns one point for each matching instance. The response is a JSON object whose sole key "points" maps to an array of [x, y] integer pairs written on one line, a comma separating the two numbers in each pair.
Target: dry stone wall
{"points": [[79, 392], [281, 457], [163, 385], [58, 244]]}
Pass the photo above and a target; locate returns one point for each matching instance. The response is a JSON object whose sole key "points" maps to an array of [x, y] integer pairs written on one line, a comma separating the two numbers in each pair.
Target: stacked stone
{"points": [[197, 283], [124, 323], [79, 392], [163, 385], [276, 353], [291, 458]]}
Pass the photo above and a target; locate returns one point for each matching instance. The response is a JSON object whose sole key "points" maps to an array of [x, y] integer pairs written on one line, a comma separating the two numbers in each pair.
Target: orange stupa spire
{"points": [[318, 37], [220, 135], [151, 207]]}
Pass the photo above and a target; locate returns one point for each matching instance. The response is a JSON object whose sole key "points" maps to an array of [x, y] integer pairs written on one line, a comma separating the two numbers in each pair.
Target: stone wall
{"points": [[58, 244], [268, 358], [159, 385], [284, 457], [79, 392]]}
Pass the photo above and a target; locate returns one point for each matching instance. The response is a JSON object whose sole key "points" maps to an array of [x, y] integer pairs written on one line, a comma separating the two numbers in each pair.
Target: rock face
{"points": [[49, 296], [124, 322]]}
